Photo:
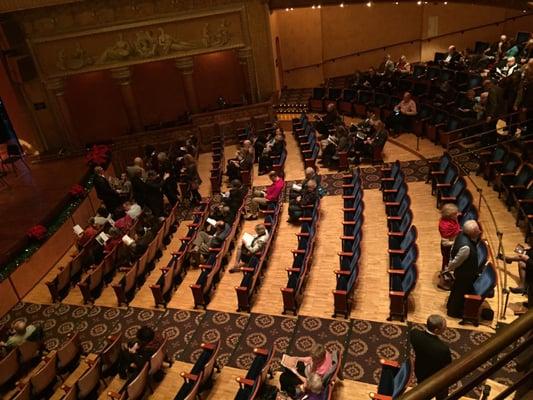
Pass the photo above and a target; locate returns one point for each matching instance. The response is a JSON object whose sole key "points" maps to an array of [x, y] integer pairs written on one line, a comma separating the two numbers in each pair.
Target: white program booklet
{"points": [[296, 187], [127, 240], [225, 195], [78, 230], [102, 238], [211, 221], [247, 239]]}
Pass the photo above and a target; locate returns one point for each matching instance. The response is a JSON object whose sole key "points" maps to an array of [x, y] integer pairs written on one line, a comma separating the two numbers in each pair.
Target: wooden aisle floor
{"points": [[371, 295]]}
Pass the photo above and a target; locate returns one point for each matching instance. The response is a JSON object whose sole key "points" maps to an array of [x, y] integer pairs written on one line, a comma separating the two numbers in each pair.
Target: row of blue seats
{"points": [[302, 259], [305, 135], [402, 248], [350, 254]]}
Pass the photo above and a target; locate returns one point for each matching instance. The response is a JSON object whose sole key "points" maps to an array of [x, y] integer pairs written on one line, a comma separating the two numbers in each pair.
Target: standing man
{"points": [[464, 264], [431, 353], [104, 191]]}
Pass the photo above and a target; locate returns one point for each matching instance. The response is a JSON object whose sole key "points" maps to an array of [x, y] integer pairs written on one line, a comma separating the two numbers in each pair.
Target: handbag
{"points": [[446, 279]]}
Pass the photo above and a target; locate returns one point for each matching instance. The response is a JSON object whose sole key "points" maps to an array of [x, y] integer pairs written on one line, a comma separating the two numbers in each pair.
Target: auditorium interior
{"points": [[266, 199]]}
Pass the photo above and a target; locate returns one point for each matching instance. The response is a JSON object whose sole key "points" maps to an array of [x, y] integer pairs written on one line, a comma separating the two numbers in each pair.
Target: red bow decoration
{"points": [[77, 191], [38, 232], [100, 154]]}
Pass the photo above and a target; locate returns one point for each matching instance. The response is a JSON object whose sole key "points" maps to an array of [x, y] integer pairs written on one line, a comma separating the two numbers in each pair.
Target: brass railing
{"points": [[468, 363]]}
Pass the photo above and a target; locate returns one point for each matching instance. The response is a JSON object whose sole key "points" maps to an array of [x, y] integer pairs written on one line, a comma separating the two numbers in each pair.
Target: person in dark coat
{"points": [[154, 195], [431, 353], [192, 177], [465, 267], [138, 188], [104, 191], [494, 108], [235, 196], [308, 196], [524, 97]]}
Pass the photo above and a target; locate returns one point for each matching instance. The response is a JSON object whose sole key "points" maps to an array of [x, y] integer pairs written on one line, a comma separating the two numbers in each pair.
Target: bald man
{"points": [[22, 333], [431, 353], [464, 264]]}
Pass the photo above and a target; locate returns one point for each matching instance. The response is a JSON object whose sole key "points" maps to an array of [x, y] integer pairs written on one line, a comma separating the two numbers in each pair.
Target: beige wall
{"points": [[309, 36]]}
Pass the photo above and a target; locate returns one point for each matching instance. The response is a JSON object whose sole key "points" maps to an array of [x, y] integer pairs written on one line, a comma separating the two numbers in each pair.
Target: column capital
{"points": [[57, 85], [185, 65], [122, 75]]}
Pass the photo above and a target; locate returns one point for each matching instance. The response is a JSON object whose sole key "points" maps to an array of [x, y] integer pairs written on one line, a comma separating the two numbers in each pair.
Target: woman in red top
{"points": [[449, 228]]}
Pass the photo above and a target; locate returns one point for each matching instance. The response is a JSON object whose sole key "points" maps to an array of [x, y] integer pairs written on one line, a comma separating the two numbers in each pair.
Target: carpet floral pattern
{"points": [[360, 343]]}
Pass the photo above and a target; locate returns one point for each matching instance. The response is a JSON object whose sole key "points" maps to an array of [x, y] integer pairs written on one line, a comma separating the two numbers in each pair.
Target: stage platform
{"points": [[32, 195]]}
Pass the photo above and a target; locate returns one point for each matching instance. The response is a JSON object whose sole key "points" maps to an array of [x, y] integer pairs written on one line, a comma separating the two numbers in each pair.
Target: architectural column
{"points": [[245, 57], [186, 67], [123, 77], [56, 87]]}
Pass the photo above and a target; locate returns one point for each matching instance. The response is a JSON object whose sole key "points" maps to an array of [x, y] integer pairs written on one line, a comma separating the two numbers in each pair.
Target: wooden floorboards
{"points": [[371, 301]]}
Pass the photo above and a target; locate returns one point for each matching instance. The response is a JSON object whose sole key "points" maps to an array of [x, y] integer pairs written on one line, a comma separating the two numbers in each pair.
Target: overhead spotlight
{"points": [[369, 4], [287, 9], [313, 7], [445, 3], [292, 9], [319, 6], [396, 2], [419, 2], [341, 5]]}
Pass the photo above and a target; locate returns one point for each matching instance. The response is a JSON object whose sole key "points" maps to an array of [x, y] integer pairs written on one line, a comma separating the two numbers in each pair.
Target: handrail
{"points": [[471, 361], [464, 139], [405, 42], [490, 146], [480, 123]]}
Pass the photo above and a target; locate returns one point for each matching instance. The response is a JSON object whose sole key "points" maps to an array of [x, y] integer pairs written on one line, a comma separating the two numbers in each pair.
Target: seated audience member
{"points": [[135, 354], [497, 50], [132, 209], [104, 191], [310, 174], [402, 66], [88, 233], [510, 67], [445, 95], [221, 213], [319, 362], [149, 221], [404, 112], [449, 228], [262, 197], [204, 241], [243, 161], [154, 194], [453, 57], [464, 264], [253, 248], [102, 216], [115, 238], [192, 178], [376, 140], [332, 116], [312, 388], [431, 353], [307, 197], [466, 108], [142, 239], [271, 151], [235, 195], [123, 221], [522, 258], [481, 104], [337, 142], [22, 333]]}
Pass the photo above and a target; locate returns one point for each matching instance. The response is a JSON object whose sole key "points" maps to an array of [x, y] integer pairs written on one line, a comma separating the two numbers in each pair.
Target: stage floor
{"points": [[32, 194]]}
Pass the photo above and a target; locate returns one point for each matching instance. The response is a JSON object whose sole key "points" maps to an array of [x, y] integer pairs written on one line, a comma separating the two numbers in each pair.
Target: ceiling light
{"points": [[313, 6], [445, 3], [319, 6], [287, 9], [396, 2], [369, 4], [292, 9], [419, 2], [341, 5]]}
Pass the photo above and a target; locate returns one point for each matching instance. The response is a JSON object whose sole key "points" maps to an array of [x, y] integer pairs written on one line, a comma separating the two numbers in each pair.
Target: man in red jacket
{"points": [[262, 197]]}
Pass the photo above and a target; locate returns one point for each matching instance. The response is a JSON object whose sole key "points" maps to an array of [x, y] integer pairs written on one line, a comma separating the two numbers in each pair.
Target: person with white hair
{"points": [[464, 265], [22, 332], [431, 353]]}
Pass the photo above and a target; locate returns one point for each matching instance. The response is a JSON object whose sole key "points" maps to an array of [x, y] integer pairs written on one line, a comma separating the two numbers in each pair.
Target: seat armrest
{"points": [[262, 352], [245, 382], [342, 272], [473, 297], [189, 377], [397, 271]]}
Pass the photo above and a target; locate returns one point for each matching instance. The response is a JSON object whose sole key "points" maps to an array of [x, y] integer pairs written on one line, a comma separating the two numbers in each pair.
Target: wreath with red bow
{"points": [[38, 232]]}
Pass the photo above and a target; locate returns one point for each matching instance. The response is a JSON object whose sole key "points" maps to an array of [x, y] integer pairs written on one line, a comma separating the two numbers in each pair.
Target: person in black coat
{"points": [[431, 353], [464, 264], [235, 196], [104, 191], [138, 188], [154, 194]]}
